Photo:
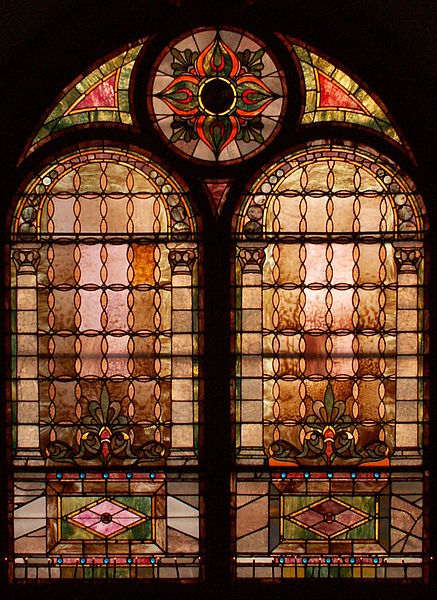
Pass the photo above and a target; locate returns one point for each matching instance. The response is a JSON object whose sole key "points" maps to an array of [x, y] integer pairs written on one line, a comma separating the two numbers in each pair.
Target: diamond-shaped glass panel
{"points": [[329, 517], [106, 517]]}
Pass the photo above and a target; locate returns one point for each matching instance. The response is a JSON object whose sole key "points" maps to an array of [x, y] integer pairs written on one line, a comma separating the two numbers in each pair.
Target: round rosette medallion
{"points": [[217, 95]]}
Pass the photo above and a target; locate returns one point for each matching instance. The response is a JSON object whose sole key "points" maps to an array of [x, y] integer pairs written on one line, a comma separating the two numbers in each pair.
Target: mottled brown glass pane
{"points": [[319, 239]]}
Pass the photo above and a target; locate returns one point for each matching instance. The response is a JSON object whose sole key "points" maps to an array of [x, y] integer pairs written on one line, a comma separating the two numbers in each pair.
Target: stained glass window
{"points": [[329, 369], [328, 322], [105, 373]]}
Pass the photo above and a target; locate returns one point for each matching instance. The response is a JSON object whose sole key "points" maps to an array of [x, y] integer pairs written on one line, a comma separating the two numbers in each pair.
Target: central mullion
{"points": [[217, 447]]}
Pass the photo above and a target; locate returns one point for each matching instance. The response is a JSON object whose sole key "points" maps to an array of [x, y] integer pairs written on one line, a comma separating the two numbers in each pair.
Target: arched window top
{"points": [[389, 203], [48, 203], [330, 385], [216, 113]]}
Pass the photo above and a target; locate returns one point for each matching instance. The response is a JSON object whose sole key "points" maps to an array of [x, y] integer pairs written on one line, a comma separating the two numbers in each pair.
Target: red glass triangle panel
{"points": [[333, 96], [102, 96], [217, 191]]}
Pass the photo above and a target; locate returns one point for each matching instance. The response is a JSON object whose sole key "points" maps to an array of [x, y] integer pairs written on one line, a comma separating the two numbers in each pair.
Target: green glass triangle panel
{"points": [[100, 95], [330, 94]]}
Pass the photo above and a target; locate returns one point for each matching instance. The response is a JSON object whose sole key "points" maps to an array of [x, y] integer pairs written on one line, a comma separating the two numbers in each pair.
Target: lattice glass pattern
{"points": [[330, 333], [330, 317], [105, 372], [105, 277], [329, 257]]}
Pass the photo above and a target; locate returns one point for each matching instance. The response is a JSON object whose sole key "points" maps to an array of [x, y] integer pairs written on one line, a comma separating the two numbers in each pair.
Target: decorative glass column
{"points": [[251, 256], [408, 256], [26, 260], [182, 258]]}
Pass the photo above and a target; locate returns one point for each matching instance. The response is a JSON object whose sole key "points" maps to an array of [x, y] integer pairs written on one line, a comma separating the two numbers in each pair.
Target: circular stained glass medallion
{"points": [[217, 95]]}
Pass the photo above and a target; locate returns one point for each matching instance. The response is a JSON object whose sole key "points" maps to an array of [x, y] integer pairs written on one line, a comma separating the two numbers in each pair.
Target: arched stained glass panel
{"points": [[329, 346], [105, 371]]}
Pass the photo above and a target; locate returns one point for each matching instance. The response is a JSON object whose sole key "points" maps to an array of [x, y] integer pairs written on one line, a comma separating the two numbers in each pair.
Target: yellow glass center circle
{"points": [[217, 96]]}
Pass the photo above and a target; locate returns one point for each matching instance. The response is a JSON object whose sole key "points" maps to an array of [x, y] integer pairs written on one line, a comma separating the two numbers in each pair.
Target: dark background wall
{"points": [[390, 44]]}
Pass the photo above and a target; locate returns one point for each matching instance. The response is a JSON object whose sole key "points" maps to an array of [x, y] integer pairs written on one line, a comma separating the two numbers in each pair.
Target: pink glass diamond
{"points": [[329, 528], [106, 518], [107, 529], [329, 506], [309, 517], [106, 507], [86, 518], [126, 518], [329, 517], [349, 518]]}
